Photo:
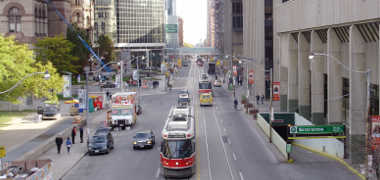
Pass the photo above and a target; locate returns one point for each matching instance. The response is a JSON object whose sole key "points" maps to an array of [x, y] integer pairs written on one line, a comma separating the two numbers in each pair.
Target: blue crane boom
{"points": [[79, 37]]}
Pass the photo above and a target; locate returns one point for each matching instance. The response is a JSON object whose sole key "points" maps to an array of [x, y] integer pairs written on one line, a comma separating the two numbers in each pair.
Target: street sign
{"points": [[276, 91], [322, 129], [3, 152], [251, 79], [171, 28]]}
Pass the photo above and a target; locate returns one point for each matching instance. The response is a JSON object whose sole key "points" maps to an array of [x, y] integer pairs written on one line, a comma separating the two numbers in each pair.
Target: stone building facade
{"points": [[330, 88]]}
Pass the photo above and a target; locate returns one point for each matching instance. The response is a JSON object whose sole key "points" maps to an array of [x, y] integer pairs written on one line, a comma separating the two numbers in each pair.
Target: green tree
{"points": [[16, 62], [58, 51], [105, 48], [79, 49]]}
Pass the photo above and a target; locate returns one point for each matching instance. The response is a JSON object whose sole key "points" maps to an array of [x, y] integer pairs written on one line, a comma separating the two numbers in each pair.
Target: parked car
{"points": [[144, 139], [100, 144], [108, 85], [51, 112], [103, 130]]}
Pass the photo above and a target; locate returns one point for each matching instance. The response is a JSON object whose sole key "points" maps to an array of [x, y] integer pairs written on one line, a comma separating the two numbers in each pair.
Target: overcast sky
{"points": [[194, 14]]}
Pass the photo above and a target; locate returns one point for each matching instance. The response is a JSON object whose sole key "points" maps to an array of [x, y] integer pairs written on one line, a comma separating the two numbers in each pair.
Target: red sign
{"points": [[276, 91], [234, 70], [251, 79], [375, 131]]}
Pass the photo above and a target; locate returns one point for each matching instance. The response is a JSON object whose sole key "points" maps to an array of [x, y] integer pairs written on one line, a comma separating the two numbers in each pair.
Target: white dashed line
{"points": [[241, 175], [234, 156], [158, 173]]}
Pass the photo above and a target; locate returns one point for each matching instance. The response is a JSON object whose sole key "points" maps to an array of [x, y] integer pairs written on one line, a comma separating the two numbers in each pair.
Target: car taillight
{"points": [[188, 135], [165, 135]]}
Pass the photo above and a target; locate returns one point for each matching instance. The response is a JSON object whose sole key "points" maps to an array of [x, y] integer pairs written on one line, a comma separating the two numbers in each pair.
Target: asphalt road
{"points": [[229, 146]]}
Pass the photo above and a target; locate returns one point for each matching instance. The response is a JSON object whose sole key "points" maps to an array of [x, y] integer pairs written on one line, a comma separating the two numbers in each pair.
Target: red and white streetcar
{"points": [[178, 144]]}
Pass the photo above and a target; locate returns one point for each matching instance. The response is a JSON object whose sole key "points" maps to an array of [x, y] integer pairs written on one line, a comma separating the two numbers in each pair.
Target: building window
{"points": [[14, 20], [237, 8], [103, 27], [77, 18], [237, 23]]}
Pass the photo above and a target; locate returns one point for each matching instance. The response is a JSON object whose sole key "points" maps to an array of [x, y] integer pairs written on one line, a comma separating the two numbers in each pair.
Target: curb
{"points": [[341, 161]]}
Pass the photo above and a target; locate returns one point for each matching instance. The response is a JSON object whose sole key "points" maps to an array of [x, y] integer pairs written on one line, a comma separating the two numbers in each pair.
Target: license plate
{"points": [[141, 145], [96, 151]]}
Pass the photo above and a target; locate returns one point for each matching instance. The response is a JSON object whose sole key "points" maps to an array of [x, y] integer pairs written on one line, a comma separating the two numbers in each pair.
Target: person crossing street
{"points": [[58, 142]]}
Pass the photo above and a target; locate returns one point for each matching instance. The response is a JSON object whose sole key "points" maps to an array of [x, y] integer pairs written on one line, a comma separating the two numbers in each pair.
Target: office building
{"points": [[332, 87], [180, 32]]}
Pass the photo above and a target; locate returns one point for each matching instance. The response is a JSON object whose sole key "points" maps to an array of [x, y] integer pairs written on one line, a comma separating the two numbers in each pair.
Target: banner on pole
{"points": [[251, 79], [375, 131], [276, 91]]}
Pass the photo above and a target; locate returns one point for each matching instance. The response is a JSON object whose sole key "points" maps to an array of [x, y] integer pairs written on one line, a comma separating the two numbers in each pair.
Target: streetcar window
{"points": [[205, 85], [177, 149]]}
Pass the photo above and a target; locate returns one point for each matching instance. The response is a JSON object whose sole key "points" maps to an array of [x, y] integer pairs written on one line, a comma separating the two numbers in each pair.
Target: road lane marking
{"points": [[207, 150], [241, 175], [158, 173], [224, 147], [234, 156]]}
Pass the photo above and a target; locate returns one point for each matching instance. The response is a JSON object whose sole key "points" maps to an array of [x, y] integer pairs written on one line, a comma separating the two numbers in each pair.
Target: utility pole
{"points": [[369, 151], [86, 70], [271, 113], [121, 75]]}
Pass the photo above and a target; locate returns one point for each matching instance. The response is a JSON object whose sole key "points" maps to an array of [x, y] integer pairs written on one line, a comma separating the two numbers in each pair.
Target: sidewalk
{"points": [[64, 162]]}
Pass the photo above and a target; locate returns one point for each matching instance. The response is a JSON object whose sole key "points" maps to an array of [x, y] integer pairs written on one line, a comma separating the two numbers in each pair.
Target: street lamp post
{"points": [[86, 70], [368, 142], [46, 76]]}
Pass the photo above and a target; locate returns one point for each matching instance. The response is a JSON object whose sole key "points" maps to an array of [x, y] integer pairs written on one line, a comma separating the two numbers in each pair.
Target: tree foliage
{"points": [[16, 62], [58, 51], [106, 48], [79, 49]]}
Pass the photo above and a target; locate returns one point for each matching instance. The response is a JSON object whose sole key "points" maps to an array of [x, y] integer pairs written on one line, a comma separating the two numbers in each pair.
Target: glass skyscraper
{"points": [[139, 23]]}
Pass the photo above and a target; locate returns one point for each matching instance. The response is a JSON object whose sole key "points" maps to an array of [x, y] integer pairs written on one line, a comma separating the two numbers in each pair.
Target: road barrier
{"points": [[277, 140]]}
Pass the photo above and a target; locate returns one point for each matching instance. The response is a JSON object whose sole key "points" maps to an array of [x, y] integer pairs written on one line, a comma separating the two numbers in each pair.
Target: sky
{"points": [[194, 15]]}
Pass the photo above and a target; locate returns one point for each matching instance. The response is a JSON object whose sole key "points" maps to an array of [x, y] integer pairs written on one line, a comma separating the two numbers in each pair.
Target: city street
{"points": [[229, 146]]}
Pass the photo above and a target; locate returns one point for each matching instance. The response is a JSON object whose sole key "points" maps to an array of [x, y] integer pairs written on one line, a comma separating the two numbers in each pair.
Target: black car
{"points": [[103, 130], [51, 112], [100, 144], [108, 85], [144, 139]]}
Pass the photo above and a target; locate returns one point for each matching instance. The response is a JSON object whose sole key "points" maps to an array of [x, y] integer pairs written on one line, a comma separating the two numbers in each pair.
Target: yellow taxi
{"points": [[205, 99]]}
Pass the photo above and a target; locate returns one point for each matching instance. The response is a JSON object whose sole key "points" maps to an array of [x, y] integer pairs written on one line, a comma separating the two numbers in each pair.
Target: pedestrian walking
{"points": [[68, 144], [262, 99], [257, 99], [73, 134], [81, 134], [58, 142]]}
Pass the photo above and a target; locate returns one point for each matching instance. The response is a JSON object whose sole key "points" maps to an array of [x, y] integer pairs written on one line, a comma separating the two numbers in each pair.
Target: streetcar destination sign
{"points": [[323, 129]]}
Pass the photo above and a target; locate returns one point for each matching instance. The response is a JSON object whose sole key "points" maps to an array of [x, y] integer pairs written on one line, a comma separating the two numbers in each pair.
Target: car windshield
{"points": [[205, 96], [142, 135], [183, 100], [177, 148], [204, 85], [50, 109], [124, 112], [98, 139]]}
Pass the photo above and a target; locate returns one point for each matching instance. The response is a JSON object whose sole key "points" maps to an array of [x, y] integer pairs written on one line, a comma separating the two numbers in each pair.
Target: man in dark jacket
{"points": [[81, 134], [73, 134], [58, 142]]}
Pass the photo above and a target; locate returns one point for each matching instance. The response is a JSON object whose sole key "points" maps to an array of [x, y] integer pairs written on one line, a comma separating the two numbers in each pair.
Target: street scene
{"points": [[180, 89]]}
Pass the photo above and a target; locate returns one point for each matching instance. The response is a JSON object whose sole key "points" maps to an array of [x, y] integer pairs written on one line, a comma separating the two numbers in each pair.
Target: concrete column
{"points": [[283, 70], [317, 100], [292, 74], [304, 76], [335, 81], [358, 89]]}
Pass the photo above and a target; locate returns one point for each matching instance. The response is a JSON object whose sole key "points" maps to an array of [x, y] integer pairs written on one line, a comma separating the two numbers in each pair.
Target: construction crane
{"points": [[85, 44]]}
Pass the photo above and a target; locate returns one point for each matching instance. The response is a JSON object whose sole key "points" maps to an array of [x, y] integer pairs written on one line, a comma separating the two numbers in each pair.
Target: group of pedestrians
{"points": [[260, 99], [69, 141]]}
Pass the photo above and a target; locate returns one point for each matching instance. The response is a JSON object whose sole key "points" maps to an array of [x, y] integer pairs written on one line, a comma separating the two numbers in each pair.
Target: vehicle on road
{"points": [[108, 85], [205, 99], [144, 139], [178, 154], [218, 83], [205, 87], [103, 130], [204, 77], [183, 99], [51, 112], [124, 109], [100, 144]]}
